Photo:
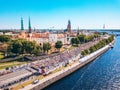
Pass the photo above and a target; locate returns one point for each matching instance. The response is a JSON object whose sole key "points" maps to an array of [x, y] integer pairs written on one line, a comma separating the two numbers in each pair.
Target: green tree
{"points": [[37, 50], [81, 38], [29, 47], [77, 41], [16, 47], [46, 47], [92, 49], [8, 49], [5, 38], [83, 53], [86, 51], [58, 45], [87, 38], [73, 41]]}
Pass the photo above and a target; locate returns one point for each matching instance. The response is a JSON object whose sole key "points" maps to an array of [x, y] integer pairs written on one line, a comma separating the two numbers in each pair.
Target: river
{"points": [[101, 74]]}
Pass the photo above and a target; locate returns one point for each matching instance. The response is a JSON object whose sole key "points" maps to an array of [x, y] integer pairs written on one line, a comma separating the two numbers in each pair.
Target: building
{"points": [[69, 26], [47, 36], [40, 38], [53, 38]]}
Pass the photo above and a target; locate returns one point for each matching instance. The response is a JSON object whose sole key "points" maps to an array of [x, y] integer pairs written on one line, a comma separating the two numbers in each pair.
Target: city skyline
{"points": [[85, 14]]}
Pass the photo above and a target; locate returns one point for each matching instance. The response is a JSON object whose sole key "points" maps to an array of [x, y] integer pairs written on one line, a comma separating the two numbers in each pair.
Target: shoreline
{"points": [[50, 79]]}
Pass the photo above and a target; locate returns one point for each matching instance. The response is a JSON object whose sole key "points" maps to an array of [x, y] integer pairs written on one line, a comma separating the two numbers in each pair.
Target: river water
{"points": [[101, 74]]}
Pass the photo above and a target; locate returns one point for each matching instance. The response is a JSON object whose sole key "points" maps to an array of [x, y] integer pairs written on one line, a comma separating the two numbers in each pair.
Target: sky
{"points": [[54, 14]]}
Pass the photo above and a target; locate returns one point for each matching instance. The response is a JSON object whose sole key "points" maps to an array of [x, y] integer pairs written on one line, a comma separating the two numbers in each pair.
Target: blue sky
{"points": [[48, 13]]}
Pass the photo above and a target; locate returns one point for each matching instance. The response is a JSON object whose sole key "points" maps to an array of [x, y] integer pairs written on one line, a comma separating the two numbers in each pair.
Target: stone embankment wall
{"points": [[60, 76]]}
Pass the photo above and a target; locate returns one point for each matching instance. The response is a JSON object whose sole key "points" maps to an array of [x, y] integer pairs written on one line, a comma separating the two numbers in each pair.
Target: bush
{"points": [[85, 52]]}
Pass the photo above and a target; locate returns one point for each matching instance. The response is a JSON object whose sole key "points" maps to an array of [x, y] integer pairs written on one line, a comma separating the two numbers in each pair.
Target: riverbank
{"points": [[66, 71]]}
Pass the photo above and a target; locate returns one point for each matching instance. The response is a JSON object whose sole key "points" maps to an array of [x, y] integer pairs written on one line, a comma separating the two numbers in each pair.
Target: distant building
{"points": [[41, 37], [78, 32], [22, 27], [69, 32], [9, 33], [69, 26], [29, 27]]}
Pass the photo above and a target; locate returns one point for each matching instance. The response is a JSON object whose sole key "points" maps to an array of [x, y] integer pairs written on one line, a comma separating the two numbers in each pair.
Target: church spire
{"points": [[29, 27], [22, 27], [69, 26]]}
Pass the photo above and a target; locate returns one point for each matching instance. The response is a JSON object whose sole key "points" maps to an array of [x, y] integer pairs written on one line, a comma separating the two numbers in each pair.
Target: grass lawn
{"points": [[72, 47], [21, 85], [28, 82], [1, 55]]}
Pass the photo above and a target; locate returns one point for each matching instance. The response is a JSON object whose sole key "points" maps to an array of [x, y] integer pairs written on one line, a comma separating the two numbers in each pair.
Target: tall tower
{"points": [[103, 26], [78, 31], [29, 27], [69, 26], [22, 27]]}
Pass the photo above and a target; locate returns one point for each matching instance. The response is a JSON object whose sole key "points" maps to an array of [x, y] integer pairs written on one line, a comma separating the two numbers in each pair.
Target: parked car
{"points": [[36, 81]]}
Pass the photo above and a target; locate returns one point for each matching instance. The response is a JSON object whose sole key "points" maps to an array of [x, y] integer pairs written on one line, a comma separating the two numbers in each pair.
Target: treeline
{"points": [[83, 39], [97, 46], [23, 46], [5, 38]]}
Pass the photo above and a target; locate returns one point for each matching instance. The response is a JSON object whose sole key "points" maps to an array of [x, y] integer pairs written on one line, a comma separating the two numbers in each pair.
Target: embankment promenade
{"points": [[48, 80]]}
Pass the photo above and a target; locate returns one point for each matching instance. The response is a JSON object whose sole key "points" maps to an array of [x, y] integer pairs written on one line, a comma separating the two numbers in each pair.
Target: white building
{"points": [[53, 38]]}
